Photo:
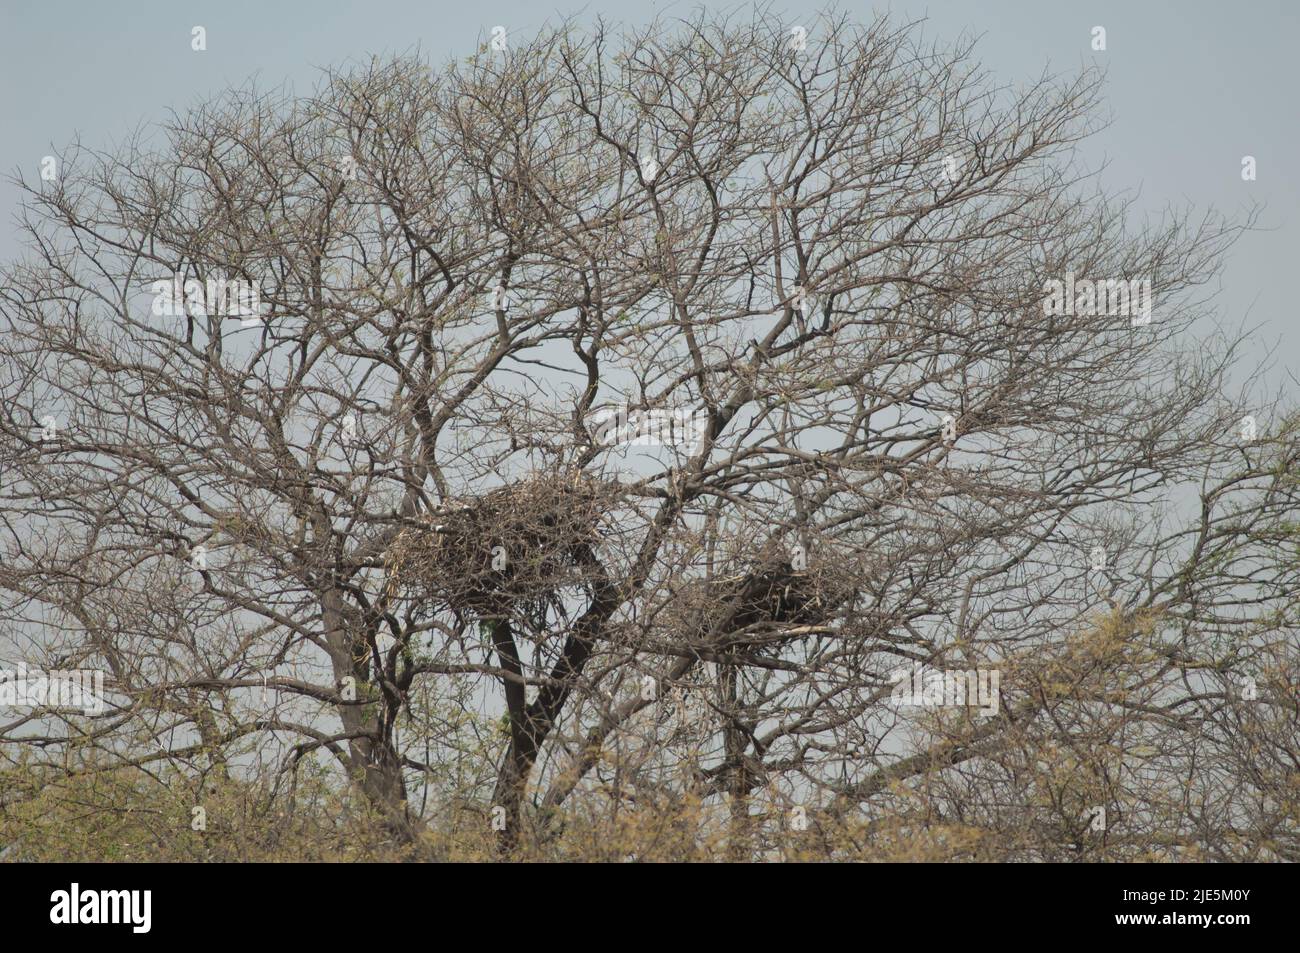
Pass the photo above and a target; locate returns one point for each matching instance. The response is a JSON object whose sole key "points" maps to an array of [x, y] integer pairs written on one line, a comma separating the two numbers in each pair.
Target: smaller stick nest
{"points": [[510, 549], [769, 595]]}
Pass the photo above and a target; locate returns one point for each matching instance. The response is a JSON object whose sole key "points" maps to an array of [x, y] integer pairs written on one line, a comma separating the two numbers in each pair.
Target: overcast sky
{"points": [[1192, 87]]}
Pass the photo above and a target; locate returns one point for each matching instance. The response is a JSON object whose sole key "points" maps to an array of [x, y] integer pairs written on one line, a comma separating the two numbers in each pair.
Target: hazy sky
{"points": [[1192, 87]]}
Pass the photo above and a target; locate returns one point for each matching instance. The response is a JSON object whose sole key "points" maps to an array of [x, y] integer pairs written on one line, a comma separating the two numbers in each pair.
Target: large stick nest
{"points": [[512, 548]]}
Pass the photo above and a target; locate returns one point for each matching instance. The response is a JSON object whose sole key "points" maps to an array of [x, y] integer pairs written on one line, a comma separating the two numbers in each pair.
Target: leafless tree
{"points": [[380, 521]]}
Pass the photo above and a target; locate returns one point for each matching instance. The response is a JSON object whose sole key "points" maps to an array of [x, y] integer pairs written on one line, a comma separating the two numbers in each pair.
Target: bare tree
{"points": [[597, 427]]}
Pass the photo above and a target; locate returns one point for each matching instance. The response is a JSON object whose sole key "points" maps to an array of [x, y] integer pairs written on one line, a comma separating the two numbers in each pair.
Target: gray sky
{"points": [[1192, 88]]}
